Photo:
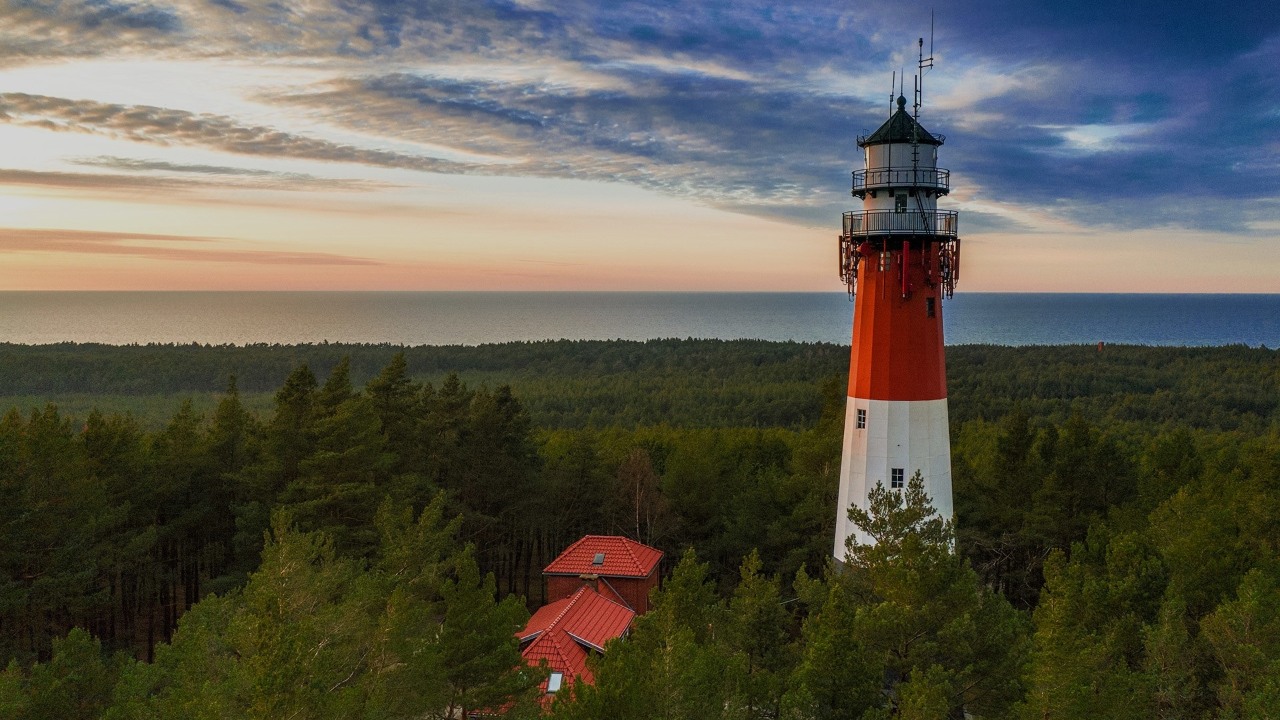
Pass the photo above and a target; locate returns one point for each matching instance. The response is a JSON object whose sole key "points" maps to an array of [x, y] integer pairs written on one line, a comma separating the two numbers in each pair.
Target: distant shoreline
{"points": [[442, 318]]}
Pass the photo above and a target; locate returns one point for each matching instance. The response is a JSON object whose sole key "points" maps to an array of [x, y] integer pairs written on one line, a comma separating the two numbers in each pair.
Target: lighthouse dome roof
{"points": [[898, 129]]}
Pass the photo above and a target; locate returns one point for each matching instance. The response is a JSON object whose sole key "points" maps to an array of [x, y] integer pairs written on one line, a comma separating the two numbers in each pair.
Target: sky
{"points": [[598, 145]]}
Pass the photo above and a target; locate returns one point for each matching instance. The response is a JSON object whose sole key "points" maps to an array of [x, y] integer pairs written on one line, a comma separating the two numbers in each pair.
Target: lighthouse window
{"points": [[929, 309], [862, 419], [900, 202], [895, 478]]}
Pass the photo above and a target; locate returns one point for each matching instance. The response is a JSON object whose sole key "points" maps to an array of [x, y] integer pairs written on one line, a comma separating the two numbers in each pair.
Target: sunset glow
{"points": [[529, 145]]}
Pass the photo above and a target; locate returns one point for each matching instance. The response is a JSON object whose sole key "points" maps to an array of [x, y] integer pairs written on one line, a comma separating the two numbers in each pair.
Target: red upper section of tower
{"points": [[897, 330]]}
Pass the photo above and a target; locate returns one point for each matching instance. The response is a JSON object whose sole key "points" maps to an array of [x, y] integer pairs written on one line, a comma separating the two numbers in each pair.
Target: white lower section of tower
{"points": [[897, 435]]}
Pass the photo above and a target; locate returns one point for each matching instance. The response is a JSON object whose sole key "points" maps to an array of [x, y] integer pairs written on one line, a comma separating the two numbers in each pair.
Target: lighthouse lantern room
{"points": [[899, 257]]}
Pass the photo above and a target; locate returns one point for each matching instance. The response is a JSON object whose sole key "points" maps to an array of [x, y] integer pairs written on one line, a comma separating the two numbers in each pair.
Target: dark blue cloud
{"points": [[1135, 31], [109, 13], [464, 26], [726, 133], [231, 5], [1177, 77], [97, 15]]}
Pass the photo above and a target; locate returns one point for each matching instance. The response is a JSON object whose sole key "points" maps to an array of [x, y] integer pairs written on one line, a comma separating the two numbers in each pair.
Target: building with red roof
{"points": [[597, 586], [619, 568], [565, 632]]}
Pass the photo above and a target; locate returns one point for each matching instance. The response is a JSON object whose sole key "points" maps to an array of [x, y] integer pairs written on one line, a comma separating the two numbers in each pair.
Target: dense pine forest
{"points": [[357, 531]]}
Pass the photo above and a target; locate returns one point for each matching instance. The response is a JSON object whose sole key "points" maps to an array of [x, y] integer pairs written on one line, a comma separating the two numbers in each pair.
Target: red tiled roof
{"points": [[543, 618], [564, 632], [562, 655], [622, 558]]}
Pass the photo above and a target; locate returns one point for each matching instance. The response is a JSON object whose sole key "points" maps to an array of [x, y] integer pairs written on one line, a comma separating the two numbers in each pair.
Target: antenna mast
{"points": [[893, 83], [923, 64]]}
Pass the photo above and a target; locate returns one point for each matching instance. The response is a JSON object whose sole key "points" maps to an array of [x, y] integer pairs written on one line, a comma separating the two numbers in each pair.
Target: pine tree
{"points": [[1244, 634], [1088, 643], [340, 485], [925, 614], [758, 633], [838, 677], [75, 684], [478, 645], [397, 401]]}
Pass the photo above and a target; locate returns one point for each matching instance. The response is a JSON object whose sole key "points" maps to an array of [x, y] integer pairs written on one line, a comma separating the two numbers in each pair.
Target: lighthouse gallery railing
{"points": [[934, 178], [889, 222]]}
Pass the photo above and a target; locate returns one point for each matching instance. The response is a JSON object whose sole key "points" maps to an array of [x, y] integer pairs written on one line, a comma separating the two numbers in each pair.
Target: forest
{"points": [[358, 531]]}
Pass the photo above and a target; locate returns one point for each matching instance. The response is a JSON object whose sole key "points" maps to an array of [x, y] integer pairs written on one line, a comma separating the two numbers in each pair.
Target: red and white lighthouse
{"points": [[899, 256]]}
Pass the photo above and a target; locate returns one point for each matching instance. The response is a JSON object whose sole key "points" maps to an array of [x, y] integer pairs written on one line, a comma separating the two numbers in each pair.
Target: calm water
{"points": [[473, 318]]}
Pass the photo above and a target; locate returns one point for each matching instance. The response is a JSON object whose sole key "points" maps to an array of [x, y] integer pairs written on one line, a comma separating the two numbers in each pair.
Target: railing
{"points": [[935, 178], [888, 222]]}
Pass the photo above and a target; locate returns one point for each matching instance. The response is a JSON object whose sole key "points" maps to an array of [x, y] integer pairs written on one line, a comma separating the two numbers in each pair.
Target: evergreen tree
{"points": [[407, 666], [396, 399], [286, 440], [234, 442], [290, 433], [758, 634], [1172, 664], [939, 632], [478, 647], [340, 485], [75, 684], [1087, 660], [838, 677], [115, 458], [1244, 634], [186, 502], [336, 389], [55, 543]]}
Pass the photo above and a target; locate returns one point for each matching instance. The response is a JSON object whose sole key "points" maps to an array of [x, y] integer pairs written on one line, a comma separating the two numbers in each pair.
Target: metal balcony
{"points": [[865, 223], [935, 179]]}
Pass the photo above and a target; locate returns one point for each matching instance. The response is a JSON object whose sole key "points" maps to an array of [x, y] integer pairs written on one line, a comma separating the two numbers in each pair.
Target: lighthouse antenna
{"points": [[920, 67], [893, 83]]}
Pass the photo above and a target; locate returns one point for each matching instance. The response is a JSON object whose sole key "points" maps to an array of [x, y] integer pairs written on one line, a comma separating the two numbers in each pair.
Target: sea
{"points": [[474, 318]]}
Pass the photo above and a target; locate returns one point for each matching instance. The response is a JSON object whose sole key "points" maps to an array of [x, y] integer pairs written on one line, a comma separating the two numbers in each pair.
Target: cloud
{"points": [[165, 126], [1095, 114], [156, 247], [717, 139], [226, 176], [33, 30], [91, 181], [115, 15], [129, 185]]}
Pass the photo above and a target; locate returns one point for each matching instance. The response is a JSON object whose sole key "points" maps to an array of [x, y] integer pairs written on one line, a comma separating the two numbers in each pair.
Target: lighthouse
{"points": [[899, 257]]}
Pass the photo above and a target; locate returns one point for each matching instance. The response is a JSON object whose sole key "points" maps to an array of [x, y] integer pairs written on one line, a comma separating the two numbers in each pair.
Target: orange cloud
{"points": [[157, 247]]}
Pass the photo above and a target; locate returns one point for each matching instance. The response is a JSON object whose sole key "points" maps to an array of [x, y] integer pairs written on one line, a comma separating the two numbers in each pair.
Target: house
{"points": [[619, 568], [597, 587]]}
